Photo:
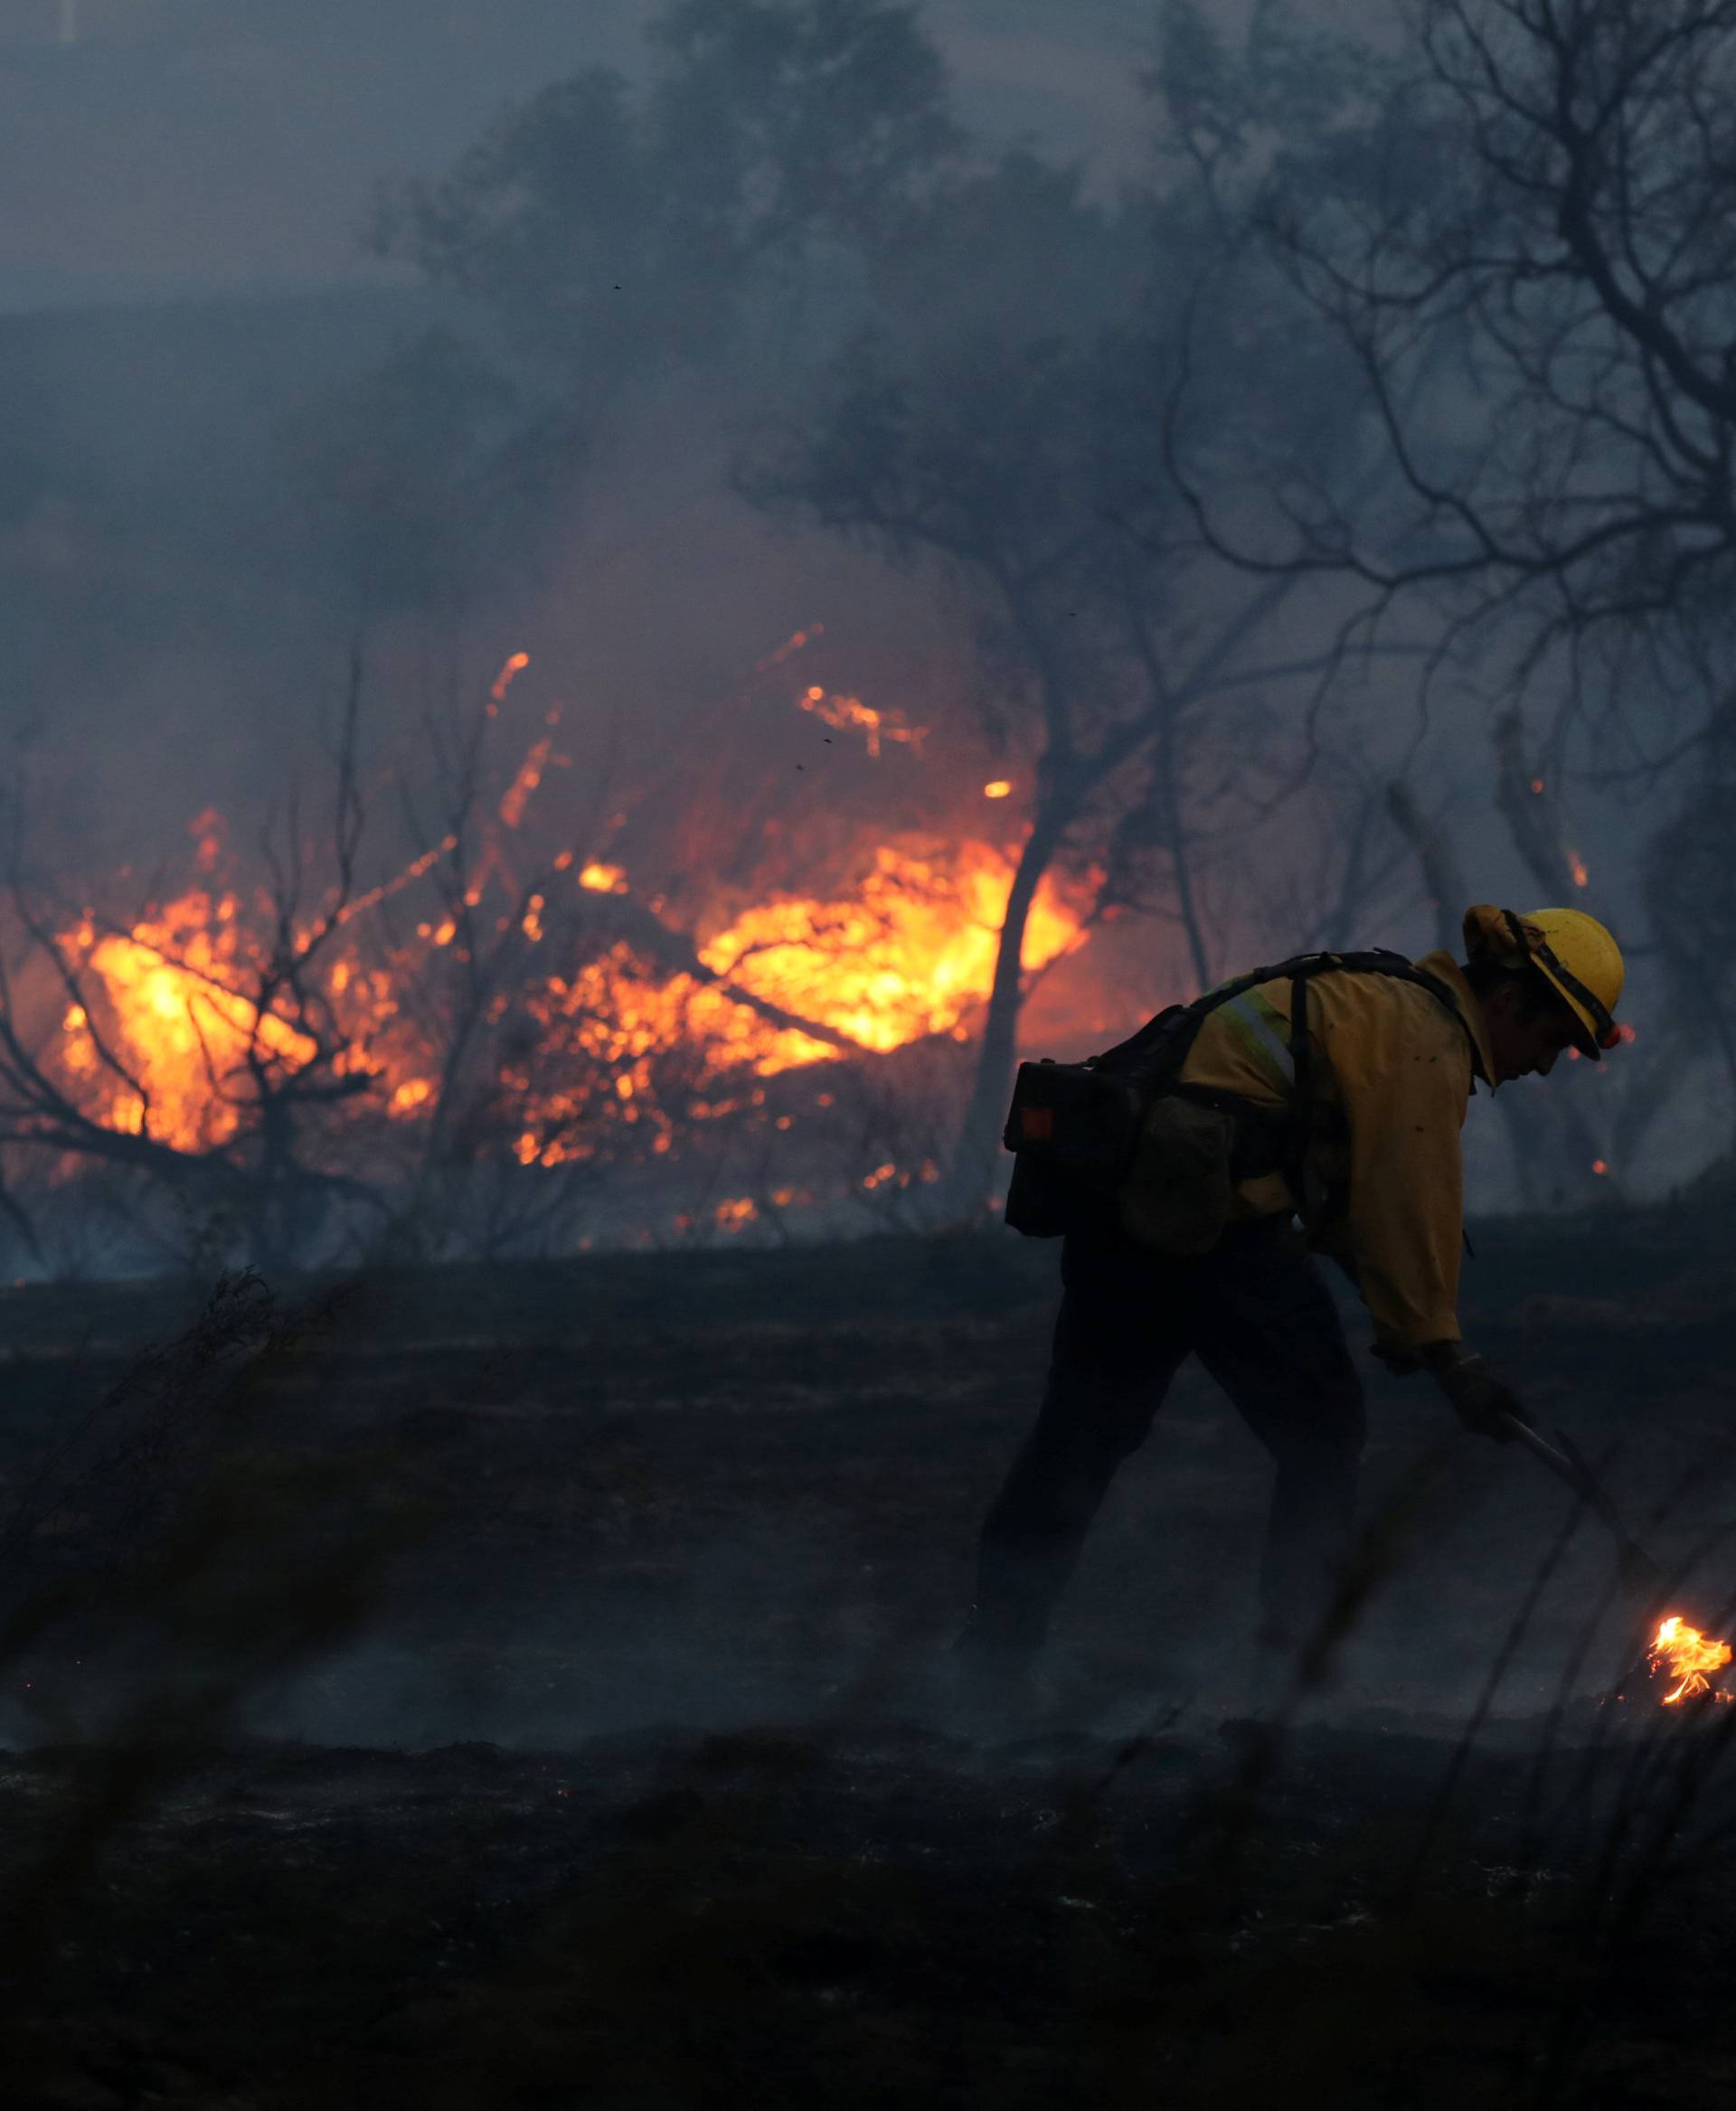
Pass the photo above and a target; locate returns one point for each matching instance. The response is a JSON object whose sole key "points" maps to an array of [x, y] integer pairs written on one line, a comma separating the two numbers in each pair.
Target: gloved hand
{"points": [[1478, 1397]]}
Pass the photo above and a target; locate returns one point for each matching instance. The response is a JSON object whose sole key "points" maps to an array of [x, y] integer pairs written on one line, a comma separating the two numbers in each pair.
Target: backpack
{"points": [[1119, 1138]]}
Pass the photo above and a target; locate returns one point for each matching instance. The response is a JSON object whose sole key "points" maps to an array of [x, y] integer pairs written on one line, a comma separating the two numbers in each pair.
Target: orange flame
{"points": [[516, 665], [911, 954], [417, 868], [793, 644], [999, 790], [598, 1051], [1686, 1655], [517, 794], [207, 831], [180, 1028], [850, 712], [1576, 865]]}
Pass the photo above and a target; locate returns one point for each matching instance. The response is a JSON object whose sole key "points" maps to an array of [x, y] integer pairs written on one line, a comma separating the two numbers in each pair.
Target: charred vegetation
{"points": [[334, 1638]]}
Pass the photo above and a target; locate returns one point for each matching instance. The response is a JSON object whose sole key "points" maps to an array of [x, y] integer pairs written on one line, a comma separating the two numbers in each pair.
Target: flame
{"points": [[1686, 1655], [1599, 1167], [179, 1022], [207, 831], [595, 1052], [793, 644], [417, 868], [517, 794], [179, 1033], [1576, 865], [514, 665], [910, 953], [851, 713]]}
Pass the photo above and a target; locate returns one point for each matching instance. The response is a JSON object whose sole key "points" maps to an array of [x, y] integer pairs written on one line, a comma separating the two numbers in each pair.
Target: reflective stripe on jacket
{"points": [[1391, 1074]]}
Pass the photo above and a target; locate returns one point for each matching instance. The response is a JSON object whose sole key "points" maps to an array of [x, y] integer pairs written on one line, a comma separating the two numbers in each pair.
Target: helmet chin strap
{"points": [[1603, 1025]]}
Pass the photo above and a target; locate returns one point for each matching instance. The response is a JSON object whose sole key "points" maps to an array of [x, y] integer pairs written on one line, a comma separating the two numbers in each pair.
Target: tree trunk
{"points": [[971, 1177]]}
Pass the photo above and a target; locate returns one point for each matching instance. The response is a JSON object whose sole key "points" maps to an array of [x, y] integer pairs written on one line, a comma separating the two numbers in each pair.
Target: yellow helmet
{"points": [[1570, 950]]}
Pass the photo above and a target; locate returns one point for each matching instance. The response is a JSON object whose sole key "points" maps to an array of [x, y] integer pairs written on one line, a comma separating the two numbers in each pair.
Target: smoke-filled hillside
{"points": [[614, 619], [887, 524]]}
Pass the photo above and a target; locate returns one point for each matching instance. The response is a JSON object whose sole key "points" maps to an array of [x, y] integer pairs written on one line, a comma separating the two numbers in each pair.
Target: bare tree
{"points": [[1162, 699], [452, 1060], [1690, 886], [1345, 858], [1523, 226], [275, 1058]]}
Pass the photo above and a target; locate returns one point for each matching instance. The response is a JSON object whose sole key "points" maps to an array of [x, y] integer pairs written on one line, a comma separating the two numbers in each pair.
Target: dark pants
{"points": [[1258, 1315]]}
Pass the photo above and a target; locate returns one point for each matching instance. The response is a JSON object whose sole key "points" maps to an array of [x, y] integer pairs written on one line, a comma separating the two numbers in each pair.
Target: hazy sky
{"points": [[186, 147]]}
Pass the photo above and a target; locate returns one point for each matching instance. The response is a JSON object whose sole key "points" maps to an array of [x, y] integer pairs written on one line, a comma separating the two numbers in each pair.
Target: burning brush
{"points": [[1687, 1660]]}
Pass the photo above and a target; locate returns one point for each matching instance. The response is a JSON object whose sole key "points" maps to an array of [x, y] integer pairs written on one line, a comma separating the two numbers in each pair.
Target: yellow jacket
{"points": [[1391, 1074]]}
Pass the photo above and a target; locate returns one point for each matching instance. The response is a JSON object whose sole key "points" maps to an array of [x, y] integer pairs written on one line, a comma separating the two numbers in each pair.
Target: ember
{"points": [[1683, 1653], [850, 712]]}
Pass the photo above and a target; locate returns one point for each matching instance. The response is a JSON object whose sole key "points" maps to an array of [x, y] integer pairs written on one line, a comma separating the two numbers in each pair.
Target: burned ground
{"points": [[523, 1688]]}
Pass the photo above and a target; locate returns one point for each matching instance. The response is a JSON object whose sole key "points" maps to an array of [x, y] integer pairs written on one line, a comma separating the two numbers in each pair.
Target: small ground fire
{"points": [[1688, 1658]]}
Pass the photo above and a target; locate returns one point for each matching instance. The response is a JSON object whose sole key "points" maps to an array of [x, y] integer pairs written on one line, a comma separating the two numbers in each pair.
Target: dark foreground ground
{"points": [[527, 1689]]}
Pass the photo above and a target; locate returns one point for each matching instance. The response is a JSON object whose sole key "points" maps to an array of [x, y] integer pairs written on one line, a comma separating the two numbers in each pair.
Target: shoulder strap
{"points": [[1164, 1039], [1162, 1043], [1301, 1098]]}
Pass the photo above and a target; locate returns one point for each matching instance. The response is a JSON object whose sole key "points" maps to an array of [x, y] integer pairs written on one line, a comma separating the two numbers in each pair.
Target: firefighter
{"points": [[1391, 1060]]}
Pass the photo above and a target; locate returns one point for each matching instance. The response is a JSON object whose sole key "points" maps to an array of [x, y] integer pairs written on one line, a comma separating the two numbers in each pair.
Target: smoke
{"points": [[242, 441], [172, 328]]}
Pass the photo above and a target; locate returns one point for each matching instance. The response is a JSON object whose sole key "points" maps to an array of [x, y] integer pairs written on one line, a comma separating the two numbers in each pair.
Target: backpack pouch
{"points": [[1179, 1195]]}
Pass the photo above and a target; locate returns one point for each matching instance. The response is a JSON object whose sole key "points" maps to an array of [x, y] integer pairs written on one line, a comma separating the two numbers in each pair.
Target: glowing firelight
{"points": [[1576, 865], [179, 1023], [910, 953], [850, 713], [793, 644], [516, 665], [1599, 1167], [166, 1042], [1686, 1655], [518, 794], [159, 1034]]}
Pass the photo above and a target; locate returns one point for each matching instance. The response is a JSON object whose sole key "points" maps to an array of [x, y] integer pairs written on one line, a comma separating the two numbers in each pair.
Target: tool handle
{"points": [[1567, 1465], [1574, 1473]]}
